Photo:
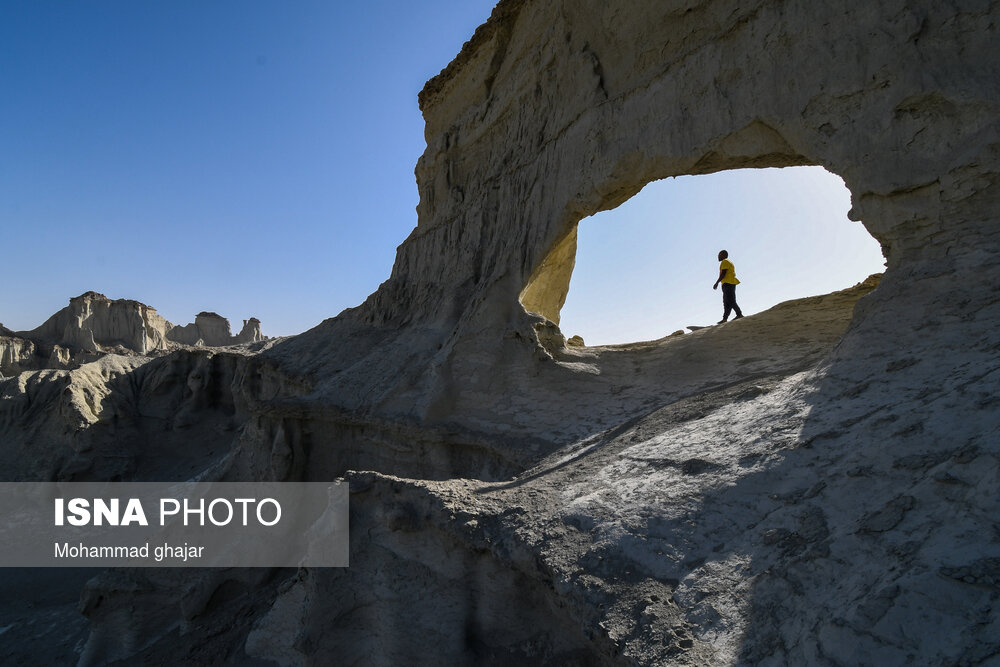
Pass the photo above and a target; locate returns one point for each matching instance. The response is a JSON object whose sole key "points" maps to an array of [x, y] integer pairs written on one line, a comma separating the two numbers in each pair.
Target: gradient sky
{"points": [[646, 268], [256, 159]]}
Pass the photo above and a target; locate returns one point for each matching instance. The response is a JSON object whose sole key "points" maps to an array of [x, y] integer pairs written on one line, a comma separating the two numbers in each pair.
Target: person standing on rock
{"points": [[727, 276]]}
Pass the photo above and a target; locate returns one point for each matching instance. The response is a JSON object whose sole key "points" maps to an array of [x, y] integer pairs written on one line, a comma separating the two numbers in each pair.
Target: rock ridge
{"points": [[93, 325]]}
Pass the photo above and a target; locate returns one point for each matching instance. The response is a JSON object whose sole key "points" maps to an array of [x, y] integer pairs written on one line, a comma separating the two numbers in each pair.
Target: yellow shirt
{"points": [[730, 278]]}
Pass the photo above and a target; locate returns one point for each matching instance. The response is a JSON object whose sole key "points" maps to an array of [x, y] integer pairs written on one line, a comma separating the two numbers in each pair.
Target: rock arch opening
{"points": [[645, 268]]}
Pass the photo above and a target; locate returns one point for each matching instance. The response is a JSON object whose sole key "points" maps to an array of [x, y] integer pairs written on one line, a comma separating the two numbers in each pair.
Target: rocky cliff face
{"points": [[16, 354], [213, 330], [815, 484], [92, 320], [93, 325]]}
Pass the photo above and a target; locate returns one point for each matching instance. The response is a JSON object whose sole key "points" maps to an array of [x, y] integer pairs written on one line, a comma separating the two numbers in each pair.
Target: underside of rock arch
{"points": [[813, 484]]}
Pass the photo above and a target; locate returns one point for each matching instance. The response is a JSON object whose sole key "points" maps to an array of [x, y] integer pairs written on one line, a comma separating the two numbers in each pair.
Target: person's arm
{"points": [[722, 274]]}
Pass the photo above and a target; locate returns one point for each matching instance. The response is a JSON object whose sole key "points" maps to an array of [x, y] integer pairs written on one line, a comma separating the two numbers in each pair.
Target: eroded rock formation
{"points": [[92, 320], [16, 353], [250, 333], [213, 330], [811, 484], [93, 325]]}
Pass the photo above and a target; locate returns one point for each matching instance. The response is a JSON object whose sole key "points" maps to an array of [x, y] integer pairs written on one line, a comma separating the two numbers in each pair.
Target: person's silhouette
{"points": [[727, 276]]}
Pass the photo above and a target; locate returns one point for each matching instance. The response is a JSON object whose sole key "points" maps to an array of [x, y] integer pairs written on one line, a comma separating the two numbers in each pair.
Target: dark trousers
{"points": [[729, 301]]}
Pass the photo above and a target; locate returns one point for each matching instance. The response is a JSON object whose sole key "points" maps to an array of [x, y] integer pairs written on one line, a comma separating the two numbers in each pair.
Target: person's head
{"points": [[723, 255]]}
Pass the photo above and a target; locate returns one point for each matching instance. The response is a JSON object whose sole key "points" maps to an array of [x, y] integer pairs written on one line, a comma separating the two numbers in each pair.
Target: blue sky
{"points": [[646, 268], [252, 158], [256, 158]]}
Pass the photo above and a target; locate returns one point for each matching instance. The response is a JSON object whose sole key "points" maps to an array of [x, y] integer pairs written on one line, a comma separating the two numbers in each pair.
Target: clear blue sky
{"points": [[256, 158], [646, 268], [251, 158]]}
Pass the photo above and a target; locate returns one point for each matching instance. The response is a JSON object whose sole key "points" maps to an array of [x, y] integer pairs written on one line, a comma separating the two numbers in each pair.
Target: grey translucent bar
{"points": [[187, 524]]}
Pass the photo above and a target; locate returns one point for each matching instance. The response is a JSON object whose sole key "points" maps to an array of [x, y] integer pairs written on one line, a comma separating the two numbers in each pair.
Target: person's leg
{"points": [[736, 308], [727, 300]]}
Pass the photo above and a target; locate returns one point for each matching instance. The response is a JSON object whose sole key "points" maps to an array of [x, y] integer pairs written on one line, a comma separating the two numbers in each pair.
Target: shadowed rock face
{"points": [[814, 483]]}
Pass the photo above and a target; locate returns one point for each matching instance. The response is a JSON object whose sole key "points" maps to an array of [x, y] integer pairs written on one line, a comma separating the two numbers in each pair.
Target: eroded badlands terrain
{"points": [[815, 484]]}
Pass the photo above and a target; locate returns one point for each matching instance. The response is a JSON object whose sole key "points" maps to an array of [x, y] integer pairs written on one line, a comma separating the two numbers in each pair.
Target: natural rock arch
{"points": [[637, 271], [858, 531], [555, 111], [718, 95], [548, 285]]}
